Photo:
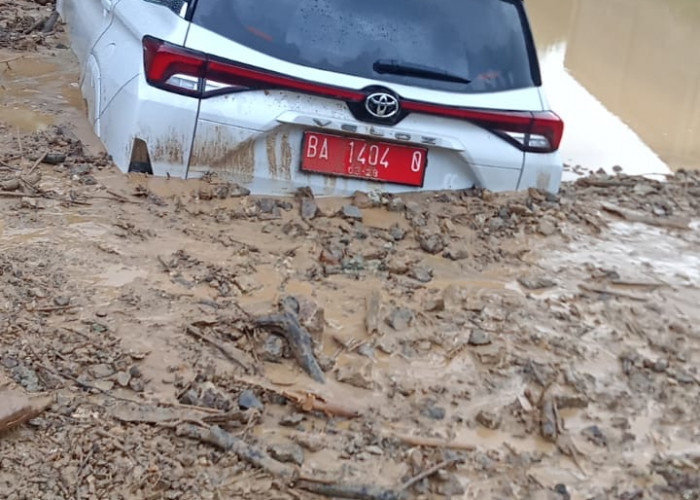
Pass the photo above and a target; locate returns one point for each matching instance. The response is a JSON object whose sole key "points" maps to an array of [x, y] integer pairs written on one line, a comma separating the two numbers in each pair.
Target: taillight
{"points": [[193, 73], [188, 72], [539, 132]]}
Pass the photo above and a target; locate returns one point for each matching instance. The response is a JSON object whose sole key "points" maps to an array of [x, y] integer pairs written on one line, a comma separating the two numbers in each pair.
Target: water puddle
{"points": [[625, 77]]}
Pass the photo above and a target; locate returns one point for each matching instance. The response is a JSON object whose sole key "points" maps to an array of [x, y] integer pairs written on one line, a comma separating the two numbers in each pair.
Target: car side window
{"points": [[179, 7]]}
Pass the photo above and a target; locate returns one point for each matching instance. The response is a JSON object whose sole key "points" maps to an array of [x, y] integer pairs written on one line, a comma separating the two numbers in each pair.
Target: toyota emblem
{"points": [[382, 105]]}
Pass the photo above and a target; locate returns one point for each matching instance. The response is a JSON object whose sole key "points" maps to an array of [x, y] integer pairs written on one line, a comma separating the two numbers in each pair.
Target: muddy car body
{"points": [[338, 96]]}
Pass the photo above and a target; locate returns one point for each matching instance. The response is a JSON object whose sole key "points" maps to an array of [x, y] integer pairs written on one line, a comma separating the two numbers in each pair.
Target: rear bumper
{"points": [[255, 140]]}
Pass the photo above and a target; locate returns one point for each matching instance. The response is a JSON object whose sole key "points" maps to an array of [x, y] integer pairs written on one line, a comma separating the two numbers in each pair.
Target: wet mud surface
{"points": [[450, 345]]}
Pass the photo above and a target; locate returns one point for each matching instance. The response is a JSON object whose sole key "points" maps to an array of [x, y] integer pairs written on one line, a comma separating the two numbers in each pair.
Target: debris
{"points": [[354, 491], [221, 439], [488, 419], [631, 216], [400, 318], [309, 208], [358, 376], [287, 453], [233, 354], [423, 274], [299, 339], [429, 472], [17, 409], [248, 400], [373, 304], [431, 243], [547, 226], [595, 435], [351, 212], [432, 442], [479, 337], [536, 282], [432, 411]]}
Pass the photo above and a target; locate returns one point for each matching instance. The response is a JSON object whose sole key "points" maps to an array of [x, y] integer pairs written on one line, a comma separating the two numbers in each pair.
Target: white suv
{"points": [[336, 95]]}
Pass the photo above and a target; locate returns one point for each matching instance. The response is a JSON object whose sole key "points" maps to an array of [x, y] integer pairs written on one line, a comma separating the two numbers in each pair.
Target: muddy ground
{"points": [[470, 344]]}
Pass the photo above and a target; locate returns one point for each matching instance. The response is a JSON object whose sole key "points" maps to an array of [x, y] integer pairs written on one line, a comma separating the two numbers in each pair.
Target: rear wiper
{"points": [[395, 67]]}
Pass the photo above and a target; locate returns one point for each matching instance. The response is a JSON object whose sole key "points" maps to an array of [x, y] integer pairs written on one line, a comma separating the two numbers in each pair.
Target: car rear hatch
{"points": [[276, 77]]}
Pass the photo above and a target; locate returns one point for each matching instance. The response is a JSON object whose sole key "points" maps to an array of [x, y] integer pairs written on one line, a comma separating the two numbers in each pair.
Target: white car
{"points": [[336, 95]]}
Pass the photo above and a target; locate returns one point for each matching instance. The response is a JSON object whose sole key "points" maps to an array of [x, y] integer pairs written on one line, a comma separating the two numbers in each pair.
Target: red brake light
{"points": [[167, 64]]}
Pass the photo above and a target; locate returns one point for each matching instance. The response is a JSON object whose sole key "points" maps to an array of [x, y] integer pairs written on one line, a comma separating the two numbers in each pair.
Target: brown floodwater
{"points": [[625, 76]]}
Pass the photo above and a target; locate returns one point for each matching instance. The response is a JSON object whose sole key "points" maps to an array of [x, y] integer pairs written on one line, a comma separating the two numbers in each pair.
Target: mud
{"points": [[472, 345]]}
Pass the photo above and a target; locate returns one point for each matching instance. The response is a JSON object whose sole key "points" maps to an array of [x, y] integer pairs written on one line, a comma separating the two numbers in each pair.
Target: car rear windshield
{"points": [[468, 46]]}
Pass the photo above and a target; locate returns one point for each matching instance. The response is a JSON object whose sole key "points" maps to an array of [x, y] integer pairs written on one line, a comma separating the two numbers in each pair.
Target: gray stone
{"points": [[123, 379], [456, 252], [547, 227], [434, 412], [357, 376], [535, 282], [488, 419], [27, 378], [273, 349], [248, 400], [424, 274], [61, 301], [288, 453], [397, 232], [291, 420], [362, 200], [400, 318], [396, 205], [188, 398], [268, 206], [479, 338], [309, 209], [101, 371], [595, 436], [431, 243], [352, 212]]}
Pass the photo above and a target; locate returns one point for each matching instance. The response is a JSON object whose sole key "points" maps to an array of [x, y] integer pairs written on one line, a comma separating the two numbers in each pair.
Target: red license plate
{"points": [[358, 158]]}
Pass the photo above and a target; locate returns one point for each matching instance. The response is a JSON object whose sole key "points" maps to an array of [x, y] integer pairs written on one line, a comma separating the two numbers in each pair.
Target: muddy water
{"points": [[37, 91], [625, 76]]}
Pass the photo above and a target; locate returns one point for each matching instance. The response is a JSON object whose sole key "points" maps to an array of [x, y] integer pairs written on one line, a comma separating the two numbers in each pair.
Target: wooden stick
{"points": [[433, 442], [224, 441], [233, 354], [299, 339], [36, 163], [428, 472], [356, 491]]}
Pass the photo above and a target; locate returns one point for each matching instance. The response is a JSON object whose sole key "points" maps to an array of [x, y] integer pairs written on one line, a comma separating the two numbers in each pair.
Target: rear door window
{"points": [[467, 46]]}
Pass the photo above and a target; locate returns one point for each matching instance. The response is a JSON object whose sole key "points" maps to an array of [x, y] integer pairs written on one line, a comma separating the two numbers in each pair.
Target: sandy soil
{"points": [[471, 344]]}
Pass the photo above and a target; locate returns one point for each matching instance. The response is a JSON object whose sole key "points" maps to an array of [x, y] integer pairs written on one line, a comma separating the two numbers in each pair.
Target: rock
{"points": [[9, 361], [561, 491], [311, 442], [357, 376], [434, 303], [400, 318], [366, 350], [10, 185], [641, 189], [135, 372], [189, 398], [123, 379], [248, 400], [547, 227], [309, 208], [431, 243], [479, 338], [374, 450], [273, 348], [454, 252], [397, 232], [362, 200], [268, 206], [424, 274], [136, 384], [351, 212], [595, 436], [566, 402], [54, 159], [291, 420], [660, 365], [434, 412], [396, 205], [29, 203], [450, 486], [27, 378], [101, 371], [488, 419], [536, 282], [287, 453]]}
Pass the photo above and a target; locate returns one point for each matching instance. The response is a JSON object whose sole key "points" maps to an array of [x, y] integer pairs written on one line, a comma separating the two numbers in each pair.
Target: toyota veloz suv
{"points": [[336, 95]]}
